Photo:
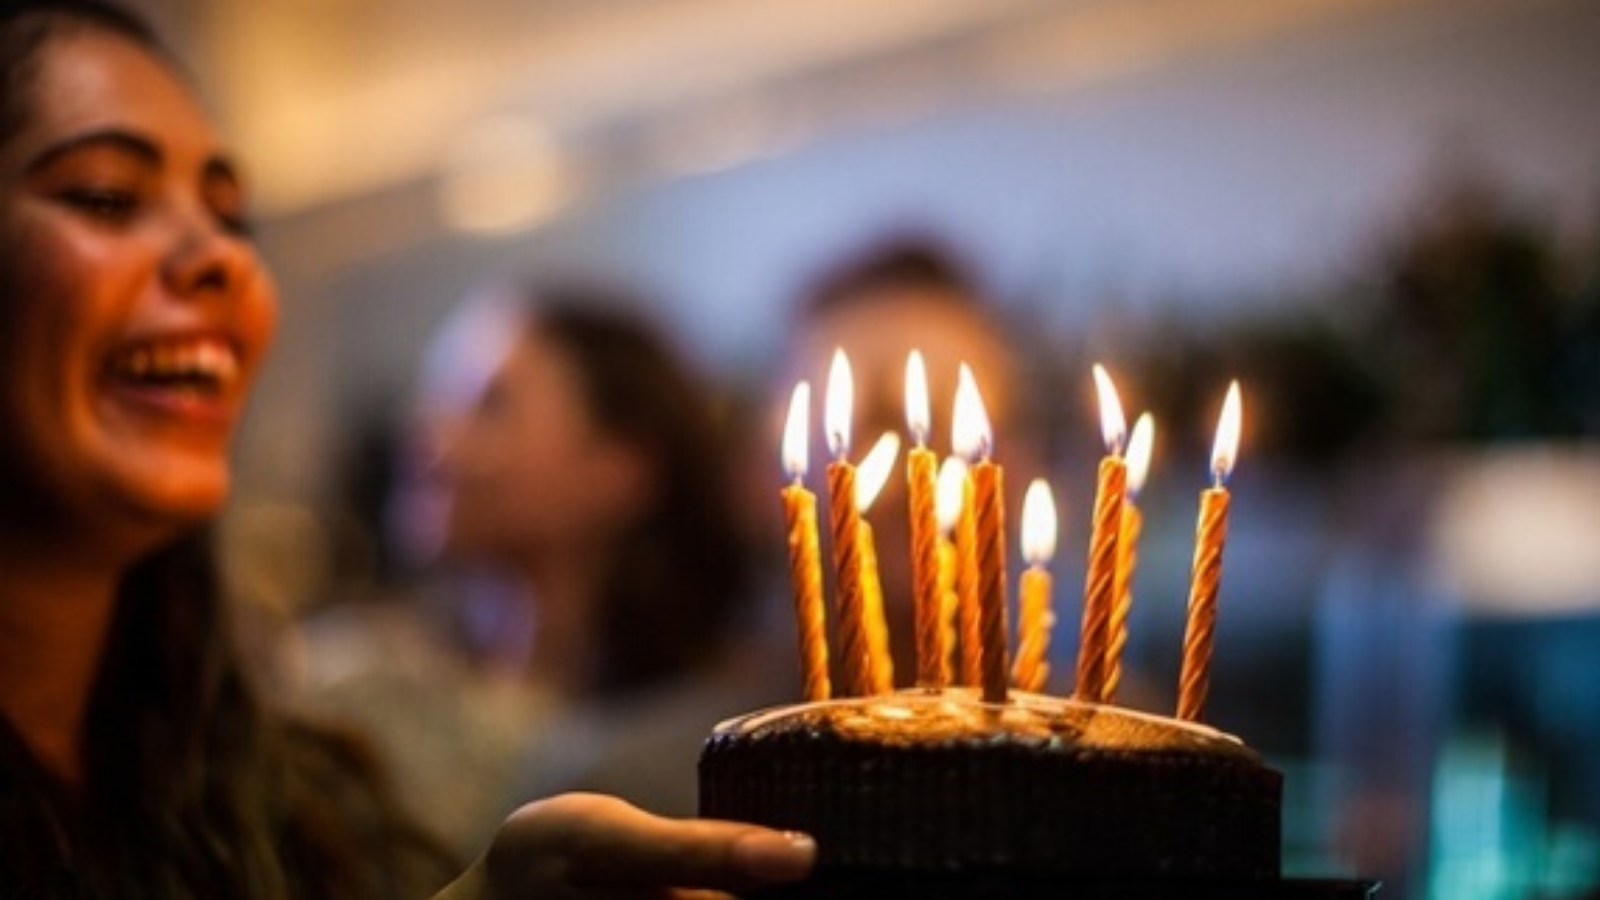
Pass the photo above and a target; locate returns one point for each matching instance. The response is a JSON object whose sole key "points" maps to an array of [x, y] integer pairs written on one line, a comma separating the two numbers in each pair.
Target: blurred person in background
{"points": [[901, 293], [137, 757], [578, 459]]}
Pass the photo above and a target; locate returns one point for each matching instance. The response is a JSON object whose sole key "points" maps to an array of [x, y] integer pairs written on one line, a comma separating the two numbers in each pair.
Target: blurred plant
{"points": [[1471, 325]]}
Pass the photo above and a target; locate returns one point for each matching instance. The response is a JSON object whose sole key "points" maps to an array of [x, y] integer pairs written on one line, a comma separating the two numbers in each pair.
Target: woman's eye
{"points": [[110, 204]]}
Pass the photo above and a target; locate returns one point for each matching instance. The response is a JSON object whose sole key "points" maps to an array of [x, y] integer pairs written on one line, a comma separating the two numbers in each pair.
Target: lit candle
{"points": [[1140, 445], [975, 442], [845, 522], [957, 579], [805, 560], [920, 481], [871, 476], [1100, 580], [1037, 617], [1210, 534]]}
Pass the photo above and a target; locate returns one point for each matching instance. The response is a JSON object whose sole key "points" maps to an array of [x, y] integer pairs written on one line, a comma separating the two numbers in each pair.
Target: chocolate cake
{"points": [[936, 794]]}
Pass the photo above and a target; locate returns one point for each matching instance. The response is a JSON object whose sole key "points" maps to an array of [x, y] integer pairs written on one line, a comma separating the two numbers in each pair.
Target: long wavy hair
{"points": [[194, 787], [683, 573]]}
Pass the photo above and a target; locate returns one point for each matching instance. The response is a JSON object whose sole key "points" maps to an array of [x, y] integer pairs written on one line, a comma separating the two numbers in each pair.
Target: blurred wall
{"points": [[1226, 181]]}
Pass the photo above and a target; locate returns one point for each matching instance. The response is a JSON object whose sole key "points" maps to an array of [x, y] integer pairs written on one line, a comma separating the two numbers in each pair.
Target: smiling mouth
{"points": [[205, 367]]}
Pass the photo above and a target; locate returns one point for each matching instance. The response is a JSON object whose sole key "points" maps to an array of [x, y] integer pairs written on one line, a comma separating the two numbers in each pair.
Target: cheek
{"points": [[258, 312]]}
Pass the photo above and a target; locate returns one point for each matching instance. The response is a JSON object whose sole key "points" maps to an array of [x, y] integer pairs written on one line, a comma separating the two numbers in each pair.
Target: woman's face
{"points": [[134, 311], [528, 471]]}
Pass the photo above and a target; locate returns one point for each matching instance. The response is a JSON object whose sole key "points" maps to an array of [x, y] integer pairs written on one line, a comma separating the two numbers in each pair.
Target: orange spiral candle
{"points": [[974, 440], [921, 489], [1139, 450], [1100, 579], [805, 559], [845, 522], [1211, 533], [1117, 625], [988, 487]]}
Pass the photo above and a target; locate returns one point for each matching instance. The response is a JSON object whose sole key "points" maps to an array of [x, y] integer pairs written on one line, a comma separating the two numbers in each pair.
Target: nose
{"points": [[207, 258]]}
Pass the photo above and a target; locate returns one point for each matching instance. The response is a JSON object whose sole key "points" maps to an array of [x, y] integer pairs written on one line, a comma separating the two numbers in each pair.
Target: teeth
{"points": [[200, 363]]}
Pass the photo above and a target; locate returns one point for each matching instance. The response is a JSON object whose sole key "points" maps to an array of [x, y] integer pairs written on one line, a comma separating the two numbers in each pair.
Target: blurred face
{"points": [[134, 309], [529, 472]]}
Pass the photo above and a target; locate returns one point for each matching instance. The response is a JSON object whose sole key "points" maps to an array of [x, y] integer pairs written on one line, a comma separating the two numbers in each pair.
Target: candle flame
{"points": [[1113, 425], [1140, 447], [951, 492], [838, 406], [873, 473], [797, 431], [1225, 452], [969, 427], [917, 415], [1038, 524]]}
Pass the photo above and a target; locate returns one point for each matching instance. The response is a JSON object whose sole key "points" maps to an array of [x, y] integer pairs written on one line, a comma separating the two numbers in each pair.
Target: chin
{"points": [[187, 498]]}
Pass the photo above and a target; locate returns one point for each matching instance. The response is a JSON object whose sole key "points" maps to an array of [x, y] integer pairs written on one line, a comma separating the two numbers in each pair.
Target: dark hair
{"points": [[684, 570], [193, 786], [26, 26], [900, 262]]}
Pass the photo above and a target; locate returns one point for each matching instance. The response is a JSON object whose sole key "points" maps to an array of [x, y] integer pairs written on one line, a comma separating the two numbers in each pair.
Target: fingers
{"points": [[606, 843]]}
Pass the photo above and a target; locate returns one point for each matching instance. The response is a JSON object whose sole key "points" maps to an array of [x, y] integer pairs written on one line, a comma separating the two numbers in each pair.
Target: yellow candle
{"points": [[975, 441], [871, 476], [805, 560], [845, 522], [951, 503], [967, 611], [1210, 534], [948, 604], [1100, 580], [1140, 445], [1036, 618], [880, 665], [920, 481]]}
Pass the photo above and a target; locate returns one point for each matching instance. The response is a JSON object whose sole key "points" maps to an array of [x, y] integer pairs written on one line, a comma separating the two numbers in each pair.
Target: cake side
{"points": [[939, 782]]}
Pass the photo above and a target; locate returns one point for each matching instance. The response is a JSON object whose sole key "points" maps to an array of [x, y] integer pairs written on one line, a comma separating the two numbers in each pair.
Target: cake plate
{"points": [[862, 885]]}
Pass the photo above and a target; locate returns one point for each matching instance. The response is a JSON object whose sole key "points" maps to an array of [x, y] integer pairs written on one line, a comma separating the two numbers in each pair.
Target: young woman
{"points": [[135, 758]]}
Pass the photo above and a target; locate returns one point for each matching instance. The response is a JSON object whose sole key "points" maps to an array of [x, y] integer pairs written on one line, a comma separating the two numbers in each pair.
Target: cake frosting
{"points": [[942, 788]]}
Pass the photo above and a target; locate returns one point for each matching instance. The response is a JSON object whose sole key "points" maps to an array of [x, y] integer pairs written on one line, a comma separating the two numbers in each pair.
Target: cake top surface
{"points": [[917, 717]]}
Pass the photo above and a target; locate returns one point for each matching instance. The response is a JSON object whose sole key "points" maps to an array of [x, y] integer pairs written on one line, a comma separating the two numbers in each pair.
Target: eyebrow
{"points": [[127, 142]]}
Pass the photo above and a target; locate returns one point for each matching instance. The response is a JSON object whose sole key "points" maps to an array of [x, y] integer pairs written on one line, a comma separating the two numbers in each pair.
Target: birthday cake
{"points": [[991, 789], [941, 795]]}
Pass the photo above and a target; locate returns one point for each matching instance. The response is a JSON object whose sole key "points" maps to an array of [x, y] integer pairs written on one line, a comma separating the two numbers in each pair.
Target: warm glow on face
{"points": [[797, 431], [951, 493], [1140, 446], [1113, 426], [969, 428], [1038, 524], [917, 415], [1226, 449], [837, 409], [873, 473]]}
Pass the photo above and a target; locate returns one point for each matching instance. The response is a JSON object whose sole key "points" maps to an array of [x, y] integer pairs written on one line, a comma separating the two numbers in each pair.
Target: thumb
{"points": [[605, 842]]}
